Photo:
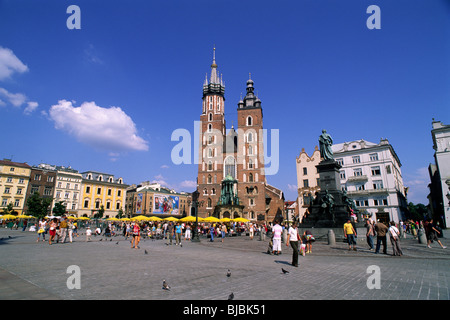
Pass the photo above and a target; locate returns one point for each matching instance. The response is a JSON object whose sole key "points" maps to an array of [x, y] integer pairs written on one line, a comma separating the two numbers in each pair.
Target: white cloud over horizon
{"points": [[417, 184], [108, 129]]}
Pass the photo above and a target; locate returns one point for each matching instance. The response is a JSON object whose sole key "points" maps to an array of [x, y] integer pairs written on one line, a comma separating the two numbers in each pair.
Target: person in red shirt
{"points": [[136, 236]]}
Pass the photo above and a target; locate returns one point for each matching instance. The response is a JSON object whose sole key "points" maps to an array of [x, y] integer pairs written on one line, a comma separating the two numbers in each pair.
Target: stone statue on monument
{"points": [[325, 143]]}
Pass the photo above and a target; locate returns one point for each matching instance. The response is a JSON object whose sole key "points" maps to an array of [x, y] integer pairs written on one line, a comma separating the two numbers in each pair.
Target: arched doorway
{"points": [[226, 214]]}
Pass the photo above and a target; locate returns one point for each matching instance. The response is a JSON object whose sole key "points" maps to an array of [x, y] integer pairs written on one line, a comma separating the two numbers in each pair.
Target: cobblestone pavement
{"points": [[197, 271]]}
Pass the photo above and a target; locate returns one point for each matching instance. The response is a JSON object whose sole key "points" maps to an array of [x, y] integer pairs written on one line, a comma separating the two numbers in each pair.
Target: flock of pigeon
{"points": [[165, 286]]}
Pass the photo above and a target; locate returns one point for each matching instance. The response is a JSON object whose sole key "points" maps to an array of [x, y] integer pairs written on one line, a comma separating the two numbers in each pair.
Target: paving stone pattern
{"points": [[197, 271]]}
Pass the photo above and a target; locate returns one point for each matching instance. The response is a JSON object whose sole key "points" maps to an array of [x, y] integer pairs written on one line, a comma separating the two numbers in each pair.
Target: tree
{"points": [[119, 214], [100, 212], [38, 206], [9, 209], [418, 211], [59, 209]]}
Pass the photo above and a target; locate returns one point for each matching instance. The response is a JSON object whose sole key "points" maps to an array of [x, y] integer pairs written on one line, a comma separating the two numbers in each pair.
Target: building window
{"points": [[209, 203], [7, 190], [19, 190], [388, 169], [99, 190], [49, 179], [305, 183], [86, 203], [205, 192], [21, 180], [16, 203], [340, 161], [373, 156], [357, 172], [356, 159], [37, 177], [88, 189], [342, 174], [119, 193], [48, 191], [360, 187], [210, 166], [251, 201], [108, 205], [209, 179], [362, 203], [305, 171], [250, 163], [249, 121], [4, 202], [34, 189], [376, 171], [250, 150], [250, 177], [378, 184], [210, 117]]}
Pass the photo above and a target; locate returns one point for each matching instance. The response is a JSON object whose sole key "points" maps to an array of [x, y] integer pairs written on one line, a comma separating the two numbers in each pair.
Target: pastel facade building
{"points": [[101, 189], [14, 179]]}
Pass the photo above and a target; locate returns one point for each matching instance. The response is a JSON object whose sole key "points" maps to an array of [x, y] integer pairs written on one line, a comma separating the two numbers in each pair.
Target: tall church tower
{"points": [[251, 174], [212, 132]]}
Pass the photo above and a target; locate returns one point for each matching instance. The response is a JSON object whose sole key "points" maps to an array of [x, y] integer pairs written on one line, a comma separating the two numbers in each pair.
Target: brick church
{"points": [[235, 154]]}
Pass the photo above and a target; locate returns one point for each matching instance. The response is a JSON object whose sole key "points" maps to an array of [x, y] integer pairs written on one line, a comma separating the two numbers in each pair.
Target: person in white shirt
{"points": [[395, 241], [277, 231], [293, 238], [88, 234]]}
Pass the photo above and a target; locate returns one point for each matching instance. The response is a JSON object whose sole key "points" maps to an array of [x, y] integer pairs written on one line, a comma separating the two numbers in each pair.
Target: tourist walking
{"points": [[52, 230], [178, 234], [70, 229], [350, 234], [63, 229], [292, 239], [223, 231], [187, 233], [381, 230], [41, 229], [394, 235], [211, 232], [277, 231], [169, 233], [309, 239], [88, 234], [431, 234], [370, 233], [136, 230]]}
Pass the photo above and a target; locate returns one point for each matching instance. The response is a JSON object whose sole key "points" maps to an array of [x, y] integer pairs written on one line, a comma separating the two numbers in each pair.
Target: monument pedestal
{"points": [[329, 208]]}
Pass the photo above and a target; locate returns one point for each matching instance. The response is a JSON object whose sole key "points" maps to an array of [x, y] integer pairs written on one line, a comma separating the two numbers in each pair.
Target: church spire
{"points": [[216, 84]]}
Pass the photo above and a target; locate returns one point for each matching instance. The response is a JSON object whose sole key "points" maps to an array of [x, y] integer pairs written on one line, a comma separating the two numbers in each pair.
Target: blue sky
{"points": [[107, 97]]}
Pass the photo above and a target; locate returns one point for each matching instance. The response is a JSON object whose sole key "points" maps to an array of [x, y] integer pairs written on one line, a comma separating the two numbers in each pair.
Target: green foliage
{"points": [[418, 211], [59, 209]]}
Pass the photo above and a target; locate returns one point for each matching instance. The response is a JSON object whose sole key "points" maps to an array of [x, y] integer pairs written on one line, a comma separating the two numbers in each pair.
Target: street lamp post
{"points": [[196, 204]]}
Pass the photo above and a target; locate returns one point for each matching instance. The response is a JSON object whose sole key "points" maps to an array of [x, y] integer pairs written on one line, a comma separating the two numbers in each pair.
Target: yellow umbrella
{"points": [[225, 220], [9, 217], [154, 219], [211, 219], [241, 220], [139, 218], [23, 216], [125, 219], [171, 219], [83, 218], [113, 219], [188, 219]]}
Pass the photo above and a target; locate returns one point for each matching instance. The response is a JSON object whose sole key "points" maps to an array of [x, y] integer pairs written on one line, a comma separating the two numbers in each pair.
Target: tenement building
{"points": [[439, 197], [236, 154], [372, 177]]}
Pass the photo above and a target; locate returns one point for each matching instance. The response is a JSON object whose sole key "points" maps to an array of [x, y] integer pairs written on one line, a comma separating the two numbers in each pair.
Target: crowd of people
{"points": [[65, 228], [392, 230]]}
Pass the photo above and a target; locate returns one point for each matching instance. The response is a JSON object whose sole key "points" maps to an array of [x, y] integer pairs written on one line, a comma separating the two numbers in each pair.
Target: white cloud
{"points": [[417, 184], [292, 187], [109, 129], [9, 64], [31, 106], [164, 166], [16, 99], [188, 184]]}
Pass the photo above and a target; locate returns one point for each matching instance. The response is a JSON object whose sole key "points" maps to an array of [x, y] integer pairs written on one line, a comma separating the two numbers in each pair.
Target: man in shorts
{"points": [[350, 233]]}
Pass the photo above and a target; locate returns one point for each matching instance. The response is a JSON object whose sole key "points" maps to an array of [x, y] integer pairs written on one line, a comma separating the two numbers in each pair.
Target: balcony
{"points": [[357, 178]]}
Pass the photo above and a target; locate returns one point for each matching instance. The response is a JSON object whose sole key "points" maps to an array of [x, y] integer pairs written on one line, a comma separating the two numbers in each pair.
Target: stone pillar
{"points": [[331, 237], [422, 236]]}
